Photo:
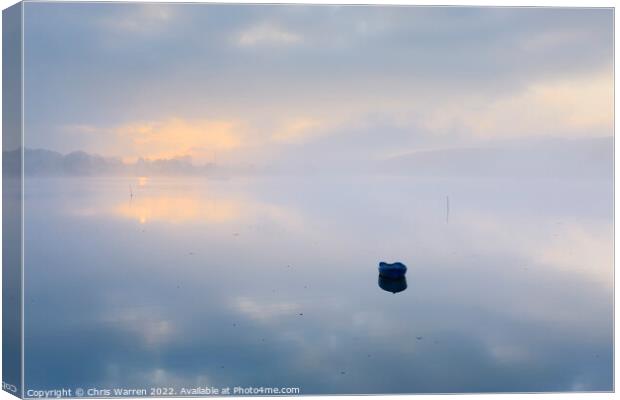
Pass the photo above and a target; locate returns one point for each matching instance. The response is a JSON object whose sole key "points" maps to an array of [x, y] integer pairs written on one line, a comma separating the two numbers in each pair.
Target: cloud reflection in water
{"points": [[288, 301]]}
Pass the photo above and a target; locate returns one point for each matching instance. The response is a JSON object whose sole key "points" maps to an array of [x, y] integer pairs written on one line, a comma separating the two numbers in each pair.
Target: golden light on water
{"points": [[177, 209], [154, 201]]}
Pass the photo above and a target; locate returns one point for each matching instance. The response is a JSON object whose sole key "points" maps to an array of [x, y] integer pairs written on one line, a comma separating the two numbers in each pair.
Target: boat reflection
{"points": [[392, 285]]}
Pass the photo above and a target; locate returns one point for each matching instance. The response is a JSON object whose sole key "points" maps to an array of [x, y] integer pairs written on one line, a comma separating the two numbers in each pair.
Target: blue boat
{"points": [[394, 270]]}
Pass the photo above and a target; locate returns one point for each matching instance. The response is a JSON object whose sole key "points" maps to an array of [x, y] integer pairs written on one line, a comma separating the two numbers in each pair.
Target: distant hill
{"points": [[551, 158], [548, 158], [41, 162]]}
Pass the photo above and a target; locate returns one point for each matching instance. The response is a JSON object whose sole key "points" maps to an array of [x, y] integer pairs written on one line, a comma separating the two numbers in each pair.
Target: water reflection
{"points": [[267, 284], [393, 285], [145, 200], [176, 209]]}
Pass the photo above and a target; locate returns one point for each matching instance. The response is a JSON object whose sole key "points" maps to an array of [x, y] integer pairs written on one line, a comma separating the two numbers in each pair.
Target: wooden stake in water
{"points": [[130, 192], [447, 209]]}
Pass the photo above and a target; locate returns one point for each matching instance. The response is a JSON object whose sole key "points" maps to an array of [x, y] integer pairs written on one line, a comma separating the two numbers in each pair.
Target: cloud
{"points": [[82, 129], [268, 35], [575, 107], [298, 130], [173, 137], [427, 74], [142, 19]]}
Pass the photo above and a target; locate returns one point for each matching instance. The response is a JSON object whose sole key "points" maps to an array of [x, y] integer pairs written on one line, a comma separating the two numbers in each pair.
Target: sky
{"points": [[258, 83]]}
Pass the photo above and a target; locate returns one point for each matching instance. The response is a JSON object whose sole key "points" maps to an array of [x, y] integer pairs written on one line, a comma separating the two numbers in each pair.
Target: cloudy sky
{"points": [[260, 82]]}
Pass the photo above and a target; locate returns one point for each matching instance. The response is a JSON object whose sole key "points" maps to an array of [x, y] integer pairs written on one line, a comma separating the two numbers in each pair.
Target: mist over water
{"points": [[273, 281], [210, 189]]}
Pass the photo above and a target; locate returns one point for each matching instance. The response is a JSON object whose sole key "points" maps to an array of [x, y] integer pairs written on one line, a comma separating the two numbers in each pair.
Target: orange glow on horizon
{"points": [[175, 137]]}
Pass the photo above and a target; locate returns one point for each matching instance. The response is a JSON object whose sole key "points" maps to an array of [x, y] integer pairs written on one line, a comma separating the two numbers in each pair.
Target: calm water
{"points": [[273, 282]]}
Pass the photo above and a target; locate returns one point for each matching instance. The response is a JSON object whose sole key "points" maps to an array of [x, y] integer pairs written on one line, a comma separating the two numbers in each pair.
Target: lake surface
{"points": [[273, 282]]}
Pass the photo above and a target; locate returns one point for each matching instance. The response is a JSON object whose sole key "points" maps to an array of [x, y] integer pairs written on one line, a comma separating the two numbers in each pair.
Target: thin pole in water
{"points": [[130, 192]]}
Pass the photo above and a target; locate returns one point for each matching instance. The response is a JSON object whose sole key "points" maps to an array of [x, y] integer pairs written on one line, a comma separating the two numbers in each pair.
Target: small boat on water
{"points": [[392, 270]]}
